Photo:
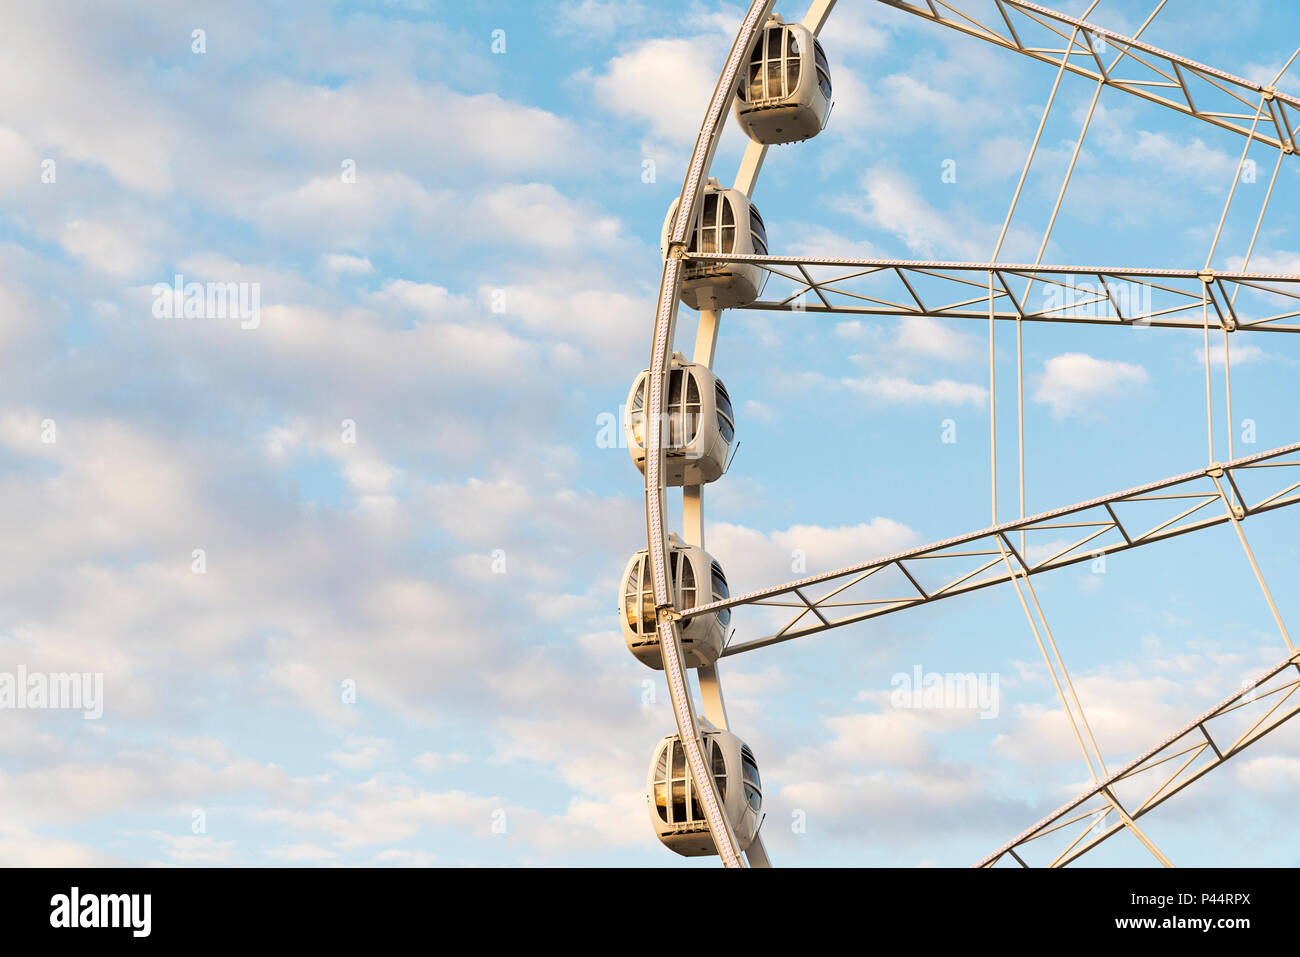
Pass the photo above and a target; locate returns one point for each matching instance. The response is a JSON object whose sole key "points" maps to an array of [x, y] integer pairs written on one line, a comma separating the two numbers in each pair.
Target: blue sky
{"points": [[473, 303]]}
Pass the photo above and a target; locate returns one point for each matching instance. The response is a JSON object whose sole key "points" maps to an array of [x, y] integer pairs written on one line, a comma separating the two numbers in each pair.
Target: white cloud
{"points": [[1130, 707], [602, 18], [302, 853], [854, 30], [1240, 355], [362, 753], [920, 99], [475, 132], [814, 241], [891, 202], [347, 264], [336, 213], [135, 780], [193, 849], [75, 112], [895, 389], [1076, 383], [1188, 158], [431, 761], [1270, 773], [24, 848], [880, 773], [1183, 157], [754, 559], [537, 214], [429, 300], [909, 343], [1282, 261], [661, 83], [18, 159], [935, 339], [106, 247]]}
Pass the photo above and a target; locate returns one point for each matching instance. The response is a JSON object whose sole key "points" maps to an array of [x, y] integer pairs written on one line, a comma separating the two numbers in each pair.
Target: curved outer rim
{"points": [[656, 531]]}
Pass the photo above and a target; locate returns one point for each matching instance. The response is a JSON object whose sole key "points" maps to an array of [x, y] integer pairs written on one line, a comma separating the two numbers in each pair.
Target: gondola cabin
{"points": [[696, 580], [698, 425], [675, 810], [725, 222], [785, 94]]}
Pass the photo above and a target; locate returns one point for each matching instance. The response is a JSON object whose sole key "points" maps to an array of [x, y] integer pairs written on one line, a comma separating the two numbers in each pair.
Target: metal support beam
{"points": [[1101, 526], [1147, 72], [1272, 697], [1095, 295]]}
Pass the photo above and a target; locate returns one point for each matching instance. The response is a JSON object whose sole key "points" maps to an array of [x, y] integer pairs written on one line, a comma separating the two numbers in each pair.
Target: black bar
{"points": [[437, 909]]}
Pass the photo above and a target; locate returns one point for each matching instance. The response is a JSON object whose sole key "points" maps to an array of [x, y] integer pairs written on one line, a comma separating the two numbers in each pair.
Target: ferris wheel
{"points": [[704, 790]]}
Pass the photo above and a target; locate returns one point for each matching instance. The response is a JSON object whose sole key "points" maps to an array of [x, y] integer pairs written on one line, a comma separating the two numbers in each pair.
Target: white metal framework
{"points": [[764, 67]]}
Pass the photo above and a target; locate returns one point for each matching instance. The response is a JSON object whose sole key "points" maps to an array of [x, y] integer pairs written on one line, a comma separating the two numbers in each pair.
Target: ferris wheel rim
{"points": [[683, 705]]}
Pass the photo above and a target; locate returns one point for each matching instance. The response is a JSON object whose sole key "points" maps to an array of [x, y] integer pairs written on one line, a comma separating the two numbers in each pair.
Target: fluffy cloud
{"points": [[754, 559], [892, 389], [601, 18], [1076, 383], [659, 82]]}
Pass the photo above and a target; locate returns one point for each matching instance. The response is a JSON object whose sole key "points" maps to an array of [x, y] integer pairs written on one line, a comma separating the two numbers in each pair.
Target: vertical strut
{"points": [[1233, 511], [706, 344], [1020, 416]]}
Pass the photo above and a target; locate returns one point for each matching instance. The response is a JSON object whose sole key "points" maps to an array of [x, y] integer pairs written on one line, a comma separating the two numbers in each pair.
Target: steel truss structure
{"points": [[991, 556], [1191, 752], [1008, 552], [1166, 298], [1137, 68]]}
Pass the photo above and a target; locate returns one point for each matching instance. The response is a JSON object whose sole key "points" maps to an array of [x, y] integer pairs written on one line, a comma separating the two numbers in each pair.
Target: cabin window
{"points": [[679, 800], [753, 90], [715, 232], [720, 593], [726, 417], [661, 784], [686, 584], [757, 232], [749, 774], [636, 412], [679, 784], [673, 408], [719, 770], [709, 233], [823, 69], [775, 67], [676, 798], [692, 409], [639, 599], [792, 64], [682, 411]]}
